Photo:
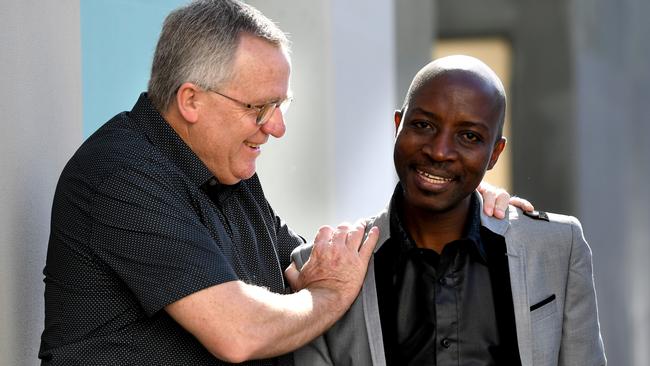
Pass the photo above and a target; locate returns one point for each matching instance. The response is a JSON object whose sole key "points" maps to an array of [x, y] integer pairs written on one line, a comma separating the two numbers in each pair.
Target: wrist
{"points": [[334, 301]]}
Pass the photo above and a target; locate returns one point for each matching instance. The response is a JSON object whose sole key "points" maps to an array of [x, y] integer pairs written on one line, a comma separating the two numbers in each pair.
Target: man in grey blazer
{"points": [[448, 285]]}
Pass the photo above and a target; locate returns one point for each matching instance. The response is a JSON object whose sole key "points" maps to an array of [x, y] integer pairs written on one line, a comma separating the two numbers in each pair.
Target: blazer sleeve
{"points": [[582, 343], [315, 353]]}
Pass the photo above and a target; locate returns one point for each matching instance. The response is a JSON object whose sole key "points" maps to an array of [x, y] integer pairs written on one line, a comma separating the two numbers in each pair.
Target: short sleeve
{"points": [[288, 240], [146, 230]]}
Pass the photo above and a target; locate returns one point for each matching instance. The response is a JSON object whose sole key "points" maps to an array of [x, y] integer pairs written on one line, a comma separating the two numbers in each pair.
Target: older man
{"points": [[163, 249], [448, 285]]}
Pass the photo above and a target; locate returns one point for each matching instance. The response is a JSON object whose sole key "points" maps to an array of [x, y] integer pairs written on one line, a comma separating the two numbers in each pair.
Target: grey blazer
{"points": [[547, 260]]}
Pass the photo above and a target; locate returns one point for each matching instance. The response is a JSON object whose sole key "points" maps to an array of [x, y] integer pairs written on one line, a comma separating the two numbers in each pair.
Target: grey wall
{"points": [[612, 77], [414, 26], [40, 102]]}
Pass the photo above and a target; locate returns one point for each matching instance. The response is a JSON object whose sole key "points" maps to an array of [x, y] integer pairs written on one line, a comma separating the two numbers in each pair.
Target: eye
{"points": [[421, 124], [472, 137]]}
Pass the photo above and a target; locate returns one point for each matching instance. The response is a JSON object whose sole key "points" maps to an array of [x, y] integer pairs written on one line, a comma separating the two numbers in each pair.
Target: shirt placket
{"points": [[447, 317]]}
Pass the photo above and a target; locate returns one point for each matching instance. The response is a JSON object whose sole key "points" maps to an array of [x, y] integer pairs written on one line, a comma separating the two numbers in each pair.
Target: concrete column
{"points": [[41, 127], [612, 79], [335, 162], [414, 34]]}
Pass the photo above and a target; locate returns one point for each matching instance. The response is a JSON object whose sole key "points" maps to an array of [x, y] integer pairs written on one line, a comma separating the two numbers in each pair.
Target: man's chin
{"points": [[436, 203], [246, 174]]}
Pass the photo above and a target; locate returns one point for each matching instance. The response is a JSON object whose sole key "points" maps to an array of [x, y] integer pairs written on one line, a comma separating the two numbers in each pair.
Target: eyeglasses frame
{"points": [[264, 111]]}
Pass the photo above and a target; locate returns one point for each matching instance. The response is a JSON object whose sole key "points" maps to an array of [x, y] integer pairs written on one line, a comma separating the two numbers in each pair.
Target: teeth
{"points": [[434, 178], [254, 146]]}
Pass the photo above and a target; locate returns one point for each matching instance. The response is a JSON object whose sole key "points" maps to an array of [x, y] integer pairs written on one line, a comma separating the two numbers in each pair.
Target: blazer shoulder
{"points": [[544, 228], [541, 218]]}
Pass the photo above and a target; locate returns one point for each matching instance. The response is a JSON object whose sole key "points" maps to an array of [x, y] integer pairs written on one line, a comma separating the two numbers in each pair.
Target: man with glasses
{"points": [[163, 249]]}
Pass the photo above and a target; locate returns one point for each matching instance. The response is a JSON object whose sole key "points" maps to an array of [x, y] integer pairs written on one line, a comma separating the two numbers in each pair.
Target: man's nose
{"points": [[275, 125], [441, 148]]}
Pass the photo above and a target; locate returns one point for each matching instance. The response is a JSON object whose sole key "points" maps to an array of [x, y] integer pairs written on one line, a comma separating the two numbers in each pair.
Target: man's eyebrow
{"points": [[274, 100], [475, 123], [418, 110], [467, 123]]}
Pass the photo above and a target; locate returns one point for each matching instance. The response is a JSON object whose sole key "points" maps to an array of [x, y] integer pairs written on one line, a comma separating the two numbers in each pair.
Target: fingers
{"points": [[522, 203], [502, 200], [369, 244], [489, 198], [355, 241], [292, 275], [324, 235], [355, 236], [495, 200], [340, 235]]}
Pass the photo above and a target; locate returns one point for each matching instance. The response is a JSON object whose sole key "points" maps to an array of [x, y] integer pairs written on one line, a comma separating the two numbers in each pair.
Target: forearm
{"points": [[238, 322], [278, 324], [251, 322]]}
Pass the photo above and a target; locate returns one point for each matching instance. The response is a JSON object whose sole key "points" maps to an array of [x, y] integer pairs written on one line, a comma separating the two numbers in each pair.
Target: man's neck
{"points": [[433, 230]]}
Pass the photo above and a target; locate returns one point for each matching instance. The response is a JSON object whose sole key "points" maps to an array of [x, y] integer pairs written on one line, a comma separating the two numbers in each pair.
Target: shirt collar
{"points": [[471, 233], [163, 136], [218, 192]]}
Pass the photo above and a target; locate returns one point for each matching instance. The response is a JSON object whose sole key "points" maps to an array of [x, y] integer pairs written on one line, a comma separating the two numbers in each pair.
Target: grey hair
{"points": [[197, 44]]}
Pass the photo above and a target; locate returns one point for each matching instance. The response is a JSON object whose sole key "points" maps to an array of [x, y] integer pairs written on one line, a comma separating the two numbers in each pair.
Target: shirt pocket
{"points": [[543, 309]]}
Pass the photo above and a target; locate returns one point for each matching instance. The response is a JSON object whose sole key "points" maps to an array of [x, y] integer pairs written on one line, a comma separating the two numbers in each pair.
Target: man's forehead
{"points": [[451, 80], [457, 65]]}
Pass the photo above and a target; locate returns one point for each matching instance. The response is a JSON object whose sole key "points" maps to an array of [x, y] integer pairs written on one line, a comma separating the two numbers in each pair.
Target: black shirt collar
{"points": [[161, 135], [471, 232]]}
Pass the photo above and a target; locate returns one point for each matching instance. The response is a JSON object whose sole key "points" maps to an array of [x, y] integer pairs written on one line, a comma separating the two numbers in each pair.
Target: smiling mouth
{"points": [[252, 146], [433, 179]]}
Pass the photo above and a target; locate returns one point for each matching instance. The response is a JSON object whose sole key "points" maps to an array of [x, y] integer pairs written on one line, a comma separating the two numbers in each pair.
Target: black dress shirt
{"points": [[139, 222], [449, 309]]}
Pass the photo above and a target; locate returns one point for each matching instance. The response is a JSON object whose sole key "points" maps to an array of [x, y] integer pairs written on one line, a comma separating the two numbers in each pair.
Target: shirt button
{"points": [[445, 343]]}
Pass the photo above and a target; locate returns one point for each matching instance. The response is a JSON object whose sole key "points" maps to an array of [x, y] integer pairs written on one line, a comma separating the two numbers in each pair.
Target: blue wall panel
{"points": [[118, 38]]}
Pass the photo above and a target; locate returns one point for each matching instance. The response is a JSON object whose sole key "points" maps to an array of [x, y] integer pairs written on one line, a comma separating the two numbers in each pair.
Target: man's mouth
{"points": [[252, 145], [433, 179]]}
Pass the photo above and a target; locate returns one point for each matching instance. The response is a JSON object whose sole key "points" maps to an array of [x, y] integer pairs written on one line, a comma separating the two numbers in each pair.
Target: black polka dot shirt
{"points": [[139, 222]]}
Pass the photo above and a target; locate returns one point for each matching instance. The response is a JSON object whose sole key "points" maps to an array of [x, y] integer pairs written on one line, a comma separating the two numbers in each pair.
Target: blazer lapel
{"points": [[369, 296], [371, 317], [516, 252]]}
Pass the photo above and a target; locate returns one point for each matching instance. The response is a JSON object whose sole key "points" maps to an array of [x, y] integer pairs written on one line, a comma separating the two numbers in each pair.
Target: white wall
{"points": [[335, 162], [40, 101]]}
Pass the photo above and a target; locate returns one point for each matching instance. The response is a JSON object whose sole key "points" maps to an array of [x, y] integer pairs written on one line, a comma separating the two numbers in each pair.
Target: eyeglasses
{"points": [[264, 111]]}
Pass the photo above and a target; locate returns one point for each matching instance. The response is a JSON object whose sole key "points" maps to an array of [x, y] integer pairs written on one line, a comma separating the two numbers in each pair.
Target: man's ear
{"points": [[187, 102], [496, 151], [398, 120]]}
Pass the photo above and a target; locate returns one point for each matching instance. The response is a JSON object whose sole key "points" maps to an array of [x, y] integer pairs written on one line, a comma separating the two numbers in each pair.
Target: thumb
{"points": [[292, 274]]}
